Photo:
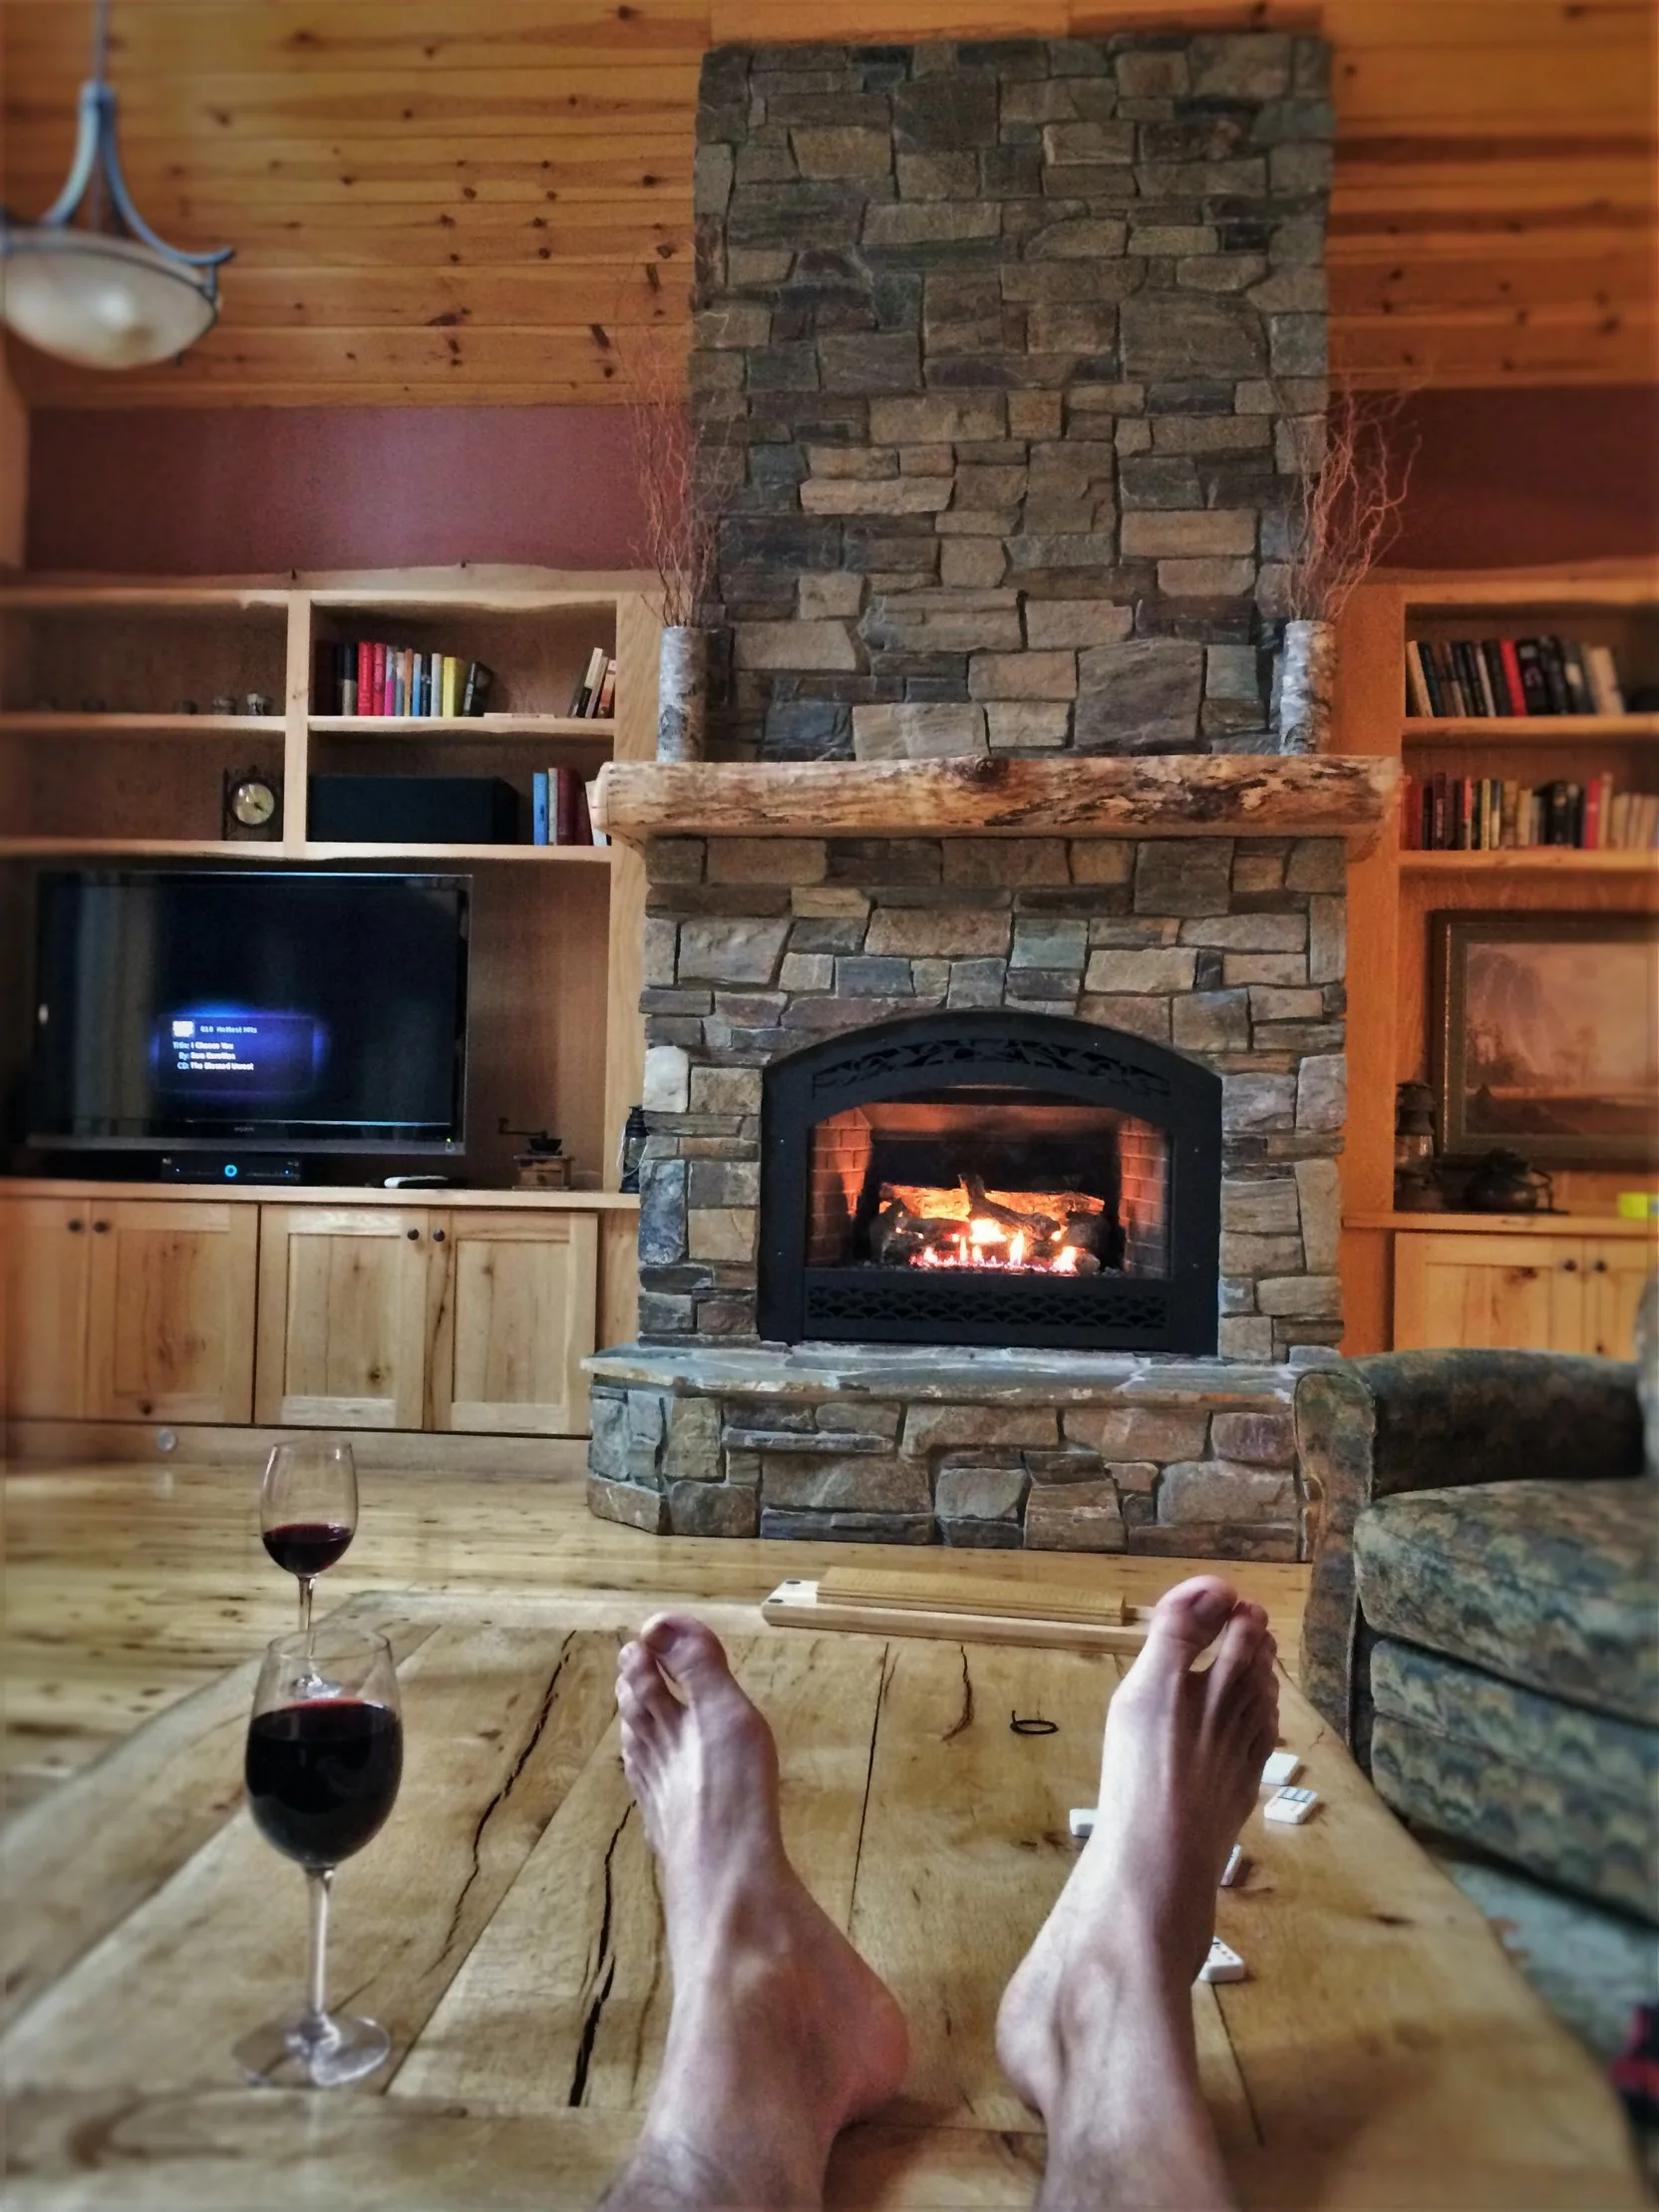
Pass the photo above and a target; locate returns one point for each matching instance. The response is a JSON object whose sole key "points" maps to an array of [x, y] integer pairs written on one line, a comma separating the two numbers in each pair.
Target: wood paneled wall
{"points": [[489, 201]]}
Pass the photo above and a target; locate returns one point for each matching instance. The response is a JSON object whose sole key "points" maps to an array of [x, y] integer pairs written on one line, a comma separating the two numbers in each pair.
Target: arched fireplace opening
{"points": [[991, 1177]]}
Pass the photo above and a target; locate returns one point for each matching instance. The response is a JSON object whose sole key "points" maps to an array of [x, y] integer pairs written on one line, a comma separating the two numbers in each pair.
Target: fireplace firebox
{"points": [[991, 1177]]}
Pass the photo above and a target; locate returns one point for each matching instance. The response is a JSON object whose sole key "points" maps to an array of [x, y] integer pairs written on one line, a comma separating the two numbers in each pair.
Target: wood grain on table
{"points": [[506, 1926]]}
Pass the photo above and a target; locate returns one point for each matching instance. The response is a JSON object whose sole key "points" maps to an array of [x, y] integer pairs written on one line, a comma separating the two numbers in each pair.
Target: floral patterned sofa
{"points": [[1483, 1622]]}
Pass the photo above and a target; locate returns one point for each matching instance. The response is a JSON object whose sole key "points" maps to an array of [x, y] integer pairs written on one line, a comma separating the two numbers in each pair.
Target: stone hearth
{"points": [[1070, 1451]]}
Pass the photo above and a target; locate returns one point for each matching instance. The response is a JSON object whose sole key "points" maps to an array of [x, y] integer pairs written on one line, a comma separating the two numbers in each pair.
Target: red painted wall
{"points": [[1501, 478]]}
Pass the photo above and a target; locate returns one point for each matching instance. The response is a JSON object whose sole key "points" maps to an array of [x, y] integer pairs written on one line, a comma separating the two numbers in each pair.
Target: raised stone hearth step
{"points": [[1044, 1451]]}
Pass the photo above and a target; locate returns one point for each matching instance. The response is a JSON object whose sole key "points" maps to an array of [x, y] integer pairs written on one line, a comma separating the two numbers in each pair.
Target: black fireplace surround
{"points": [[1010, 1126]]}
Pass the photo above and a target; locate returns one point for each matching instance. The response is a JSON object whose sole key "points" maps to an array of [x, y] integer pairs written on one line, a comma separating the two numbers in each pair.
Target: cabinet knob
{"points": [[102, 1227], [75, 1228], [1601, 1267], [1570, 1266], [414, 1235], [438, 1235]]}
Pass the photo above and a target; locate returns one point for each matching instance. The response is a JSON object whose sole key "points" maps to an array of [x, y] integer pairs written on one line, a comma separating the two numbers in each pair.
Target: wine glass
{"points": [[324, 1759], [308, 1509]]}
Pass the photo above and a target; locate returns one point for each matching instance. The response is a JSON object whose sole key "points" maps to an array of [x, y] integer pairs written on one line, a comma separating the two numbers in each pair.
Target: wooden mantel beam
{"points": [[1153, 795]]}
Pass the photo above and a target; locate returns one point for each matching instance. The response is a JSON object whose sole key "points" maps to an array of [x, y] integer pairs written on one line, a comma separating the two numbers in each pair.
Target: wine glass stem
{"points": [[320, 1881], [305, 1605]]}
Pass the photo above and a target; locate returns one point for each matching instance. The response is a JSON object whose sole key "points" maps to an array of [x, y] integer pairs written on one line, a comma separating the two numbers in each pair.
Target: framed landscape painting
{"points": [[1544, 1034]]}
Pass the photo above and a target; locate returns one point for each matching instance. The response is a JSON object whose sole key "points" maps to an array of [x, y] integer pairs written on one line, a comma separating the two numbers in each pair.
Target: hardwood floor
{"points": [[126, 1587]]}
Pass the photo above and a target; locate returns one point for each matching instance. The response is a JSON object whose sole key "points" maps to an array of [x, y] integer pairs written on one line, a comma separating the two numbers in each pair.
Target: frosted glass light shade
{"points": [[102, 303]]}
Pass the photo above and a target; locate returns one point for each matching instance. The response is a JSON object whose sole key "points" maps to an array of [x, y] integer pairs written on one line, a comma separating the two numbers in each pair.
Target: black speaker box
{"points": [[412, 810]]}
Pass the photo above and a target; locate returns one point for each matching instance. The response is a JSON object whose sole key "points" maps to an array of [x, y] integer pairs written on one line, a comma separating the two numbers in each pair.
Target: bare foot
{"points": [[1104, 1995], [779, 2035]]}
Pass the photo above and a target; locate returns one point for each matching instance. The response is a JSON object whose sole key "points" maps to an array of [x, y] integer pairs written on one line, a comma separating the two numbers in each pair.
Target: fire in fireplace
{"points": [[991, 1179]]}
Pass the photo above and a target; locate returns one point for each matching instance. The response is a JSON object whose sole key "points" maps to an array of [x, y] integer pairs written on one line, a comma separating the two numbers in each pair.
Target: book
{"points": [[446, 704], [377, 679], [1554, 674], [476, 691], [584, 819], [1534, 683], [1606, 692], [365, 667], [565, 806], [1579, 700], [1492, 656], [348, 679], [607, 689], [590, 793], [1418, 699], [582, 697], [539, 805]]}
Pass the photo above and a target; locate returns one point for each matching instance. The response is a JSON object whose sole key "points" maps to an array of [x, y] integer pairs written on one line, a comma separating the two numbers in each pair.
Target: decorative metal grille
{"points": [[1083, 1310], [956, 1054]]}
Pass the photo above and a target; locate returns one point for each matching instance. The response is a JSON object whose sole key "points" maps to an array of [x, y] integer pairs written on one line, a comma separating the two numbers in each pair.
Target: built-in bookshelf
{"points": [[1393, 891], [127, 709]]}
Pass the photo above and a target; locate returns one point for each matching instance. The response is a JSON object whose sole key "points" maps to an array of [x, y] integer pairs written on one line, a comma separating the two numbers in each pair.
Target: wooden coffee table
{"points": [[505, 1928]]}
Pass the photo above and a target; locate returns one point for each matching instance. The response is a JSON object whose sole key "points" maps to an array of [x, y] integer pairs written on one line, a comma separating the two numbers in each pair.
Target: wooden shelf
{"points": [[255, 848], [1510, 1225], [1533, 860], [67, 723], [329, 1194], [540, 856], [1527, 729], [598, 730]]}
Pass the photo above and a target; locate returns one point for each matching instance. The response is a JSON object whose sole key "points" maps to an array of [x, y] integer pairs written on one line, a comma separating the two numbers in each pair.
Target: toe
{"points": [[684, 1649], [639, 1675], [1238, 1652], [1184, 1622]]}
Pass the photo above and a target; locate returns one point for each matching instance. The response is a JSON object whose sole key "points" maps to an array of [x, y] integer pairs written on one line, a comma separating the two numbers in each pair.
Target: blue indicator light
{"points": [[230, 1169]]}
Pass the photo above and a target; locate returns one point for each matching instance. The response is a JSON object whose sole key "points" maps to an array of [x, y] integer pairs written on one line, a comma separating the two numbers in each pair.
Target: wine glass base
{"points": [[312, 2052]]}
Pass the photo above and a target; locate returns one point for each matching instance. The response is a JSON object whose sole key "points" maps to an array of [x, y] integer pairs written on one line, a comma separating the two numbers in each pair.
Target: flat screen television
{"points": [[322, 1012]]}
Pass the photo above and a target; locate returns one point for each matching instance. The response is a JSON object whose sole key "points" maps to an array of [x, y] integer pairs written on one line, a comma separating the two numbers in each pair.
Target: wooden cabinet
{"points": [[126, 1310], [46, 1272], [343, 1298], [1543, 1292], [170, 1335], [517, 1314], [426, 1318], [316, 1313]]}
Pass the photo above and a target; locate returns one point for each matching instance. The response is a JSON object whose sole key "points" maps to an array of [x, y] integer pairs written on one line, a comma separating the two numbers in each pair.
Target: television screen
{"points": [[325, 1012]]}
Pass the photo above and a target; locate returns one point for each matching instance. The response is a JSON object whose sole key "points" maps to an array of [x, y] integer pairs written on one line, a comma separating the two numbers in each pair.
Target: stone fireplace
{"points": [[994, 974]]}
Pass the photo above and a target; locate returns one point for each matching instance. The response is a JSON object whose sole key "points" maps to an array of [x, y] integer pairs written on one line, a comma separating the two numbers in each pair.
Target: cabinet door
{"points": [[342, 1317], [1617, 1269], [515, 1321], [46, 1270], [1527, 1293], [171, 1313]]}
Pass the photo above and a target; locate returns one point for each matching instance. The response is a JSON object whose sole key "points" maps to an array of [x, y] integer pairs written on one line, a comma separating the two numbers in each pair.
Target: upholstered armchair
{"points": [[1483, 1623]]}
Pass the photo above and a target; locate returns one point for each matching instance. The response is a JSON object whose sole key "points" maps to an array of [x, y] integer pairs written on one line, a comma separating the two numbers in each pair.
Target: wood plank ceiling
{"points": [[472, 202]]}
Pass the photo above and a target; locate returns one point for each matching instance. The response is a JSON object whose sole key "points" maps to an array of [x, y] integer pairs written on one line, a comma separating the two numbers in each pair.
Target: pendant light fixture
{"points": [[106, 293]]}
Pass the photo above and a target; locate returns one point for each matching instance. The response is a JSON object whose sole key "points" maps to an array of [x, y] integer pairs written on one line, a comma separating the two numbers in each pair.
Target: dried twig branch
{"points": [[679, 482], [1346, 509]]}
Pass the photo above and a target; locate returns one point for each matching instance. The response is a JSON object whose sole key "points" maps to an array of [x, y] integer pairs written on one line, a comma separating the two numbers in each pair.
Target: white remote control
{"points": [[1224, 1963], [1282, 1767], [1290, 1807]]}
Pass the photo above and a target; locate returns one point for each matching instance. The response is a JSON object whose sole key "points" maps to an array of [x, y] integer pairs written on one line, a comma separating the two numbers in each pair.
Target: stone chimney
{"points": [[1011, 351]]}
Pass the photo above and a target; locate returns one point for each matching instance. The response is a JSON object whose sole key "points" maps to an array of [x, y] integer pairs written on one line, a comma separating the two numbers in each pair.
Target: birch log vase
{"points": [[682, 693], [1307, 677]]}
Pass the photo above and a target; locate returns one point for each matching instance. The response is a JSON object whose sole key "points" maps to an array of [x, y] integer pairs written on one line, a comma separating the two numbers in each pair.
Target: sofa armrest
{"points": [[1437, 1421]]}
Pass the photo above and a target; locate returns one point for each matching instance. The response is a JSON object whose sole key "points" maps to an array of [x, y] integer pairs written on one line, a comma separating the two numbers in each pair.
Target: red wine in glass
{"points": [[323, 1763], [323, 1776], [308, 1509], [305, 1547]]}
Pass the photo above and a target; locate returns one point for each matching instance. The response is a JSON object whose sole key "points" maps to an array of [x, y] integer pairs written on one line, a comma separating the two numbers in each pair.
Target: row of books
{"points": [[1489, 814], [559, 811], [367, 679], [1510, 675], [597, 693]]}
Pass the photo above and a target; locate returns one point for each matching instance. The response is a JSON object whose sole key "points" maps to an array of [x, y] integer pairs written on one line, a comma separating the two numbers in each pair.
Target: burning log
{"points": [[986, 1208]]}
